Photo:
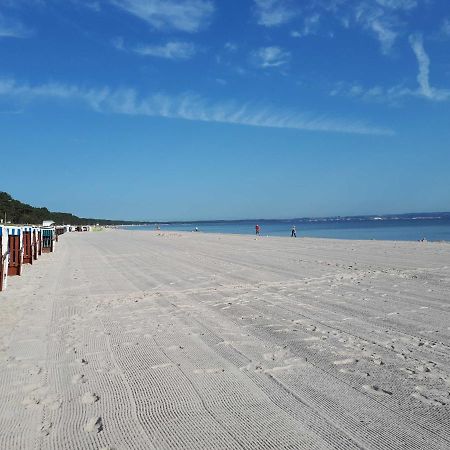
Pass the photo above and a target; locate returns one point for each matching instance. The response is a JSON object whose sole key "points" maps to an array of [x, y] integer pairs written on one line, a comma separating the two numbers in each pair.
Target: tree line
{"points": [[20, 213]]}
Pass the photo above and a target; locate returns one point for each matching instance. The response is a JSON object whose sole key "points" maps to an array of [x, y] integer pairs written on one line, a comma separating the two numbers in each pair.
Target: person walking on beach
{"points": [[257, 229], [293, 232]]}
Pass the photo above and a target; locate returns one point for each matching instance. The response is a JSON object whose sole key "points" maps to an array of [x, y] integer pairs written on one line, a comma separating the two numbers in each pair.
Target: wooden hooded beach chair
{"points": [[48, 239], [28, 248], [15, 247]]}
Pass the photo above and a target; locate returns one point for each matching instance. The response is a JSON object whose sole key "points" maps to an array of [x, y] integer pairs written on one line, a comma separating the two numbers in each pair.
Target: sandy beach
{"points": [[142, 340]]}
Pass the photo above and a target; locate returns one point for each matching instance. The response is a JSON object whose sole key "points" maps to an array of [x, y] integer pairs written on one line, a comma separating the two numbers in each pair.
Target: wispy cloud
{"points": [[170, 50], [174, 50], [385, 35], [183, 15], [267, 57], [398, 4], [310, 26], [395, 93], [376, 94], [13, 29], [445, 27], [423, 77], [271, 13], [381, 23], [230, 47], [187, 107], [386, 20]]}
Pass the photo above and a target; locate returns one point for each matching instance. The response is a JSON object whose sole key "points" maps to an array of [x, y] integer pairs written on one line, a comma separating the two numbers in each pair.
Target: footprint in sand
{"points": [[31, 387], [94, 425], [31, 400], [376, 390], [275, 356], [377, 361], [34, 370], [79, 378], [46, 427], [52, 402], [345, 361], [36, 395], [354, 372], [427, 399], [89, 398]]}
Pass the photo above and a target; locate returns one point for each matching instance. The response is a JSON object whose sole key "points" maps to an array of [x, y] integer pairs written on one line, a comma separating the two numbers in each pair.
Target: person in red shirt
{"points": [[257, 229]]}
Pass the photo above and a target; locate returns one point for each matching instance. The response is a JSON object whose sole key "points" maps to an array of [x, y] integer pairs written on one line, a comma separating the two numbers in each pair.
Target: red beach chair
{"points": [[15, 246], [27, 245]]}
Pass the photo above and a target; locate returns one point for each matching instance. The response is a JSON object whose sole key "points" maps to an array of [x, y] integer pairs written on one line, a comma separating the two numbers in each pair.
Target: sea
{"points": [[392, 228]]}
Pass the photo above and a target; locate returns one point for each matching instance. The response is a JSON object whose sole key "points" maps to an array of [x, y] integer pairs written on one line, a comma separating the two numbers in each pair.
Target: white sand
{"points": [[134, 340]]}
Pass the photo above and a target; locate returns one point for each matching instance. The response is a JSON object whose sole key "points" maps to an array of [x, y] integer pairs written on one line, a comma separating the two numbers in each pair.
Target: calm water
{"points": [[387, 229]]}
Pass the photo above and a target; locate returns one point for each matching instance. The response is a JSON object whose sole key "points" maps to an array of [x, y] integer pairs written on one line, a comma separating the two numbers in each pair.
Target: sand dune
{"points": [[141, 340]]}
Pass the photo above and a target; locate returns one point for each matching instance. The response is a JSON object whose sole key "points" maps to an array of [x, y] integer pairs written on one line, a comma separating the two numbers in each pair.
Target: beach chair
{"points": [[35, 243], [28, 245], [4, 257], [39, 240], [15, 248], [48, 239]]}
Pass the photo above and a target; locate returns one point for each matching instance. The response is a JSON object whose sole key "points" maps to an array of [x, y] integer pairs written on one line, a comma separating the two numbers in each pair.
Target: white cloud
{"points": [[174, 50], [271, 13], [423, 77], [267, 57], [385, 35], [396, 93], [376, 94], [230, 46], [13, 28], [187, 107], [379, 22], [310, 26], [423, 60], [183, 15], [398, 4], [384, 19]]}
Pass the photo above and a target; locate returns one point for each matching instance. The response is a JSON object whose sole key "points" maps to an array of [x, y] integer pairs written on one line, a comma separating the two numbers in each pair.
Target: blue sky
{"points": [[208, 109]]}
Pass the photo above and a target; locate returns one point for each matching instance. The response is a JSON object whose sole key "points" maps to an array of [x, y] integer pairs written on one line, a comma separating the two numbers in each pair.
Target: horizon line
{"points": [[272, 219]]}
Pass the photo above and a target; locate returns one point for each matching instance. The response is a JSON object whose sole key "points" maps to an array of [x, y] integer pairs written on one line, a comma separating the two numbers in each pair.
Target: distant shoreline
{"points": [[411, 230], [387, 217]]}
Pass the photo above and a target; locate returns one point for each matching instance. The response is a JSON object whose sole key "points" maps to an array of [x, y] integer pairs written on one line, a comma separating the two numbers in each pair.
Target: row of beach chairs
{"points": [[21, 245]]}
